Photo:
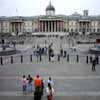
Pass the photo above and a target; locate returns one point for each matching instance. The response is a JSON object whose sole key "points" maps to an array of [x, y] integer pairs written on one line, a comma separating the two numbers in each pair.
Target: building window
{"points": [[72, 23], [97, 30], [68, 30], [71, 30], [80, 30], [67, 23], [94, 23], [76, 30], [87, 30], [90, 29], [94, 30]]}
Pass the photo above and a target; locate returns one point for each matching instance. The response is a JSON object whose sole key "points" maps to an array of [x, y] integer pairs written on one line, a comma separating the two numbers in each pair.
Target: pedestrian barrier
{"points": [[87, 59], [1, 59], [21, 58], [30, 58], [77, 59], [11, 59], [68, 57], [43, 59]]}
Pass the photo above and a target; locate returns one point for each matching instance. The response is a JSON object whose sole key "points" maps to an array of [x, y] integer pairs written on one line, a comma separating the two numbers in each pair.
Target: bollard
{"points": [[37, 58], [1, 59], [65, 54], [91, 59], [11, 59], [77, 58], [97, 60], [49, 58], [30, 58], [58, 57], [21, 58], [61, 52], [87, 59], [68, 57]]}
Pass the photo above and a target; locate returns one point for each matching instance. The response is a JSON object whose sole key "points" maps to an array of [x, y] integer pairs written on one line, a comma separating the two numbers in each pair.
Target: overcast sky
{"points": [[37, 7]]}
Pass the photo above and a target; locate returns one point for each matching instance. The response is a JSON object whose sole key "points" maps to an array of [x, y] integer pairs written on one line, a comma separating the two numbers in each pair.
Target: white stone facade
{"points": [[50, 22]]}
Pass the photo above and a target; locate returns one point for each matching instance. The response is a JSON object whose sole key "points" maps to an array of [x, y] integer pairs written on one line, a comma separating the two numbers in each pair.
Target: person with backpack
{"points": [[50, 92]]}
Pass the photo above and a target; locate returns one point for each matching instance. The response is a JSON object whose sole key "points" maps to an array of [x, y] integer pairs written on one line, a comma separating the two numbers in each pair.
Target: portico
{"points": [[51, 25], [16, 25]]}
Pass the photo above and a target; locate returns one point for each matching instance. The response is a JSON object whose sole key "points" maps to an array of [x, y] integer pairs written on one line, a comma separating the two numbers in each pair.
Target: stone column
{"points": [[42, 25], [38, 26], [51, 26], [21, 27], [18, 27], [78, 26], [45, 26], [14, 27], [85, 27], [11, 27], [57, 26], [62, 26], [54, 26]]}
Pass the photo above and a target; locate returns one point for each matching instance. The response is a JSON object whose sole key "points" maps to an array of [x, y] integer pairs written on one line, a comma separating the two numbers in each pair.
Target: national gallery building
{"points": [[76, 23]]}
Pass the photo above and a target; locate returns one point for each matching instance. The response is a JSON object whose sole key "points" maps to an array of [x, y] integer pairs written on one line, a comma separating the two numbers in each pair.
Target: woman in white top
{"points": [[50, 81], [50, 92]]}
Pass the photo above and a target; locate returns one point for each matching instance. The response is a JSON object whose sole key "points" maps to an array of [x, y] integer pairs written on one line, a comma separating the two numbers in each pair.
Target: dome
{"points": [[50, 7]]}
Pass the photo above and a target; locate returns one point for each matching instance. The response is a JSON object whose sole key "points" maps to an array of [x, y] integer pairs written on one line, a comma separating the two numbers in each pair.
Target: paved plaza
{"points": [[72, 80]]}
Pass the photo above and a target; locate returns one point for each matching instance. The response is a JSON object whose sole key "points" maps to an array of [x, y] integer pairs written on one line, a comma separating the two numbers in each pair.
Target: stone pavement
{"points": [[73, 81]]}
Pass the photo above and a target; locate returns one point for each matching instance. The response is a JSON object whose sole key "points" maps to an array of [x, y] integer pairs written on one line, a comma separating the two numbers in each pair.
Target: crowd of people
{"points": [[38, 86]]}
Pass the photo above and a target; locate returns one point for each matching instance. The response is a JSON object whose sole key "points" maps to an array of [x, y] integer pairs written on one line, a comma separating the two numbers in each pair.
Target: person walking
{"points": [[97, 59], [90, 59], [93, 65], [50, 92]]}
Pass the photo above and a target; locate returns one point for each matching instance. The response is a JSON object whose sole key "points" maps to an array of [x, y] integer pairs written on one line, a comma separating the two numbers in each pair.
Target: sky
{"points": [[37, 7]]}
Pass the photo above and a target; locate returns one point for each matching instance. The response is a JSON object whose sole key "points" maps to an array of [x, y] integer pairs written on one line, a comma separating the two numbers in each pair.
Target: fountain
{"points": [[96, 48], [7, 47]]}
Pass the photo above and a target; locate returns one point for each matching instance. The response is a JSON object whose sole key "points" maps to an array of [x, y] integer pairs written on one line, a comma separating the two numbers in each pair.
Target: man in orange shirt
{"points": [[38, 88], [37, 81]]}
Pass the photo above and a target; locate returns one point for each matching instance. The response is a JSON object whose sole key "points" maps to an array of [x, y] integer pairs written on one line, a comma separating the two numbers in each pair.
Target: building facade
{"points": [[82, 24]]}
